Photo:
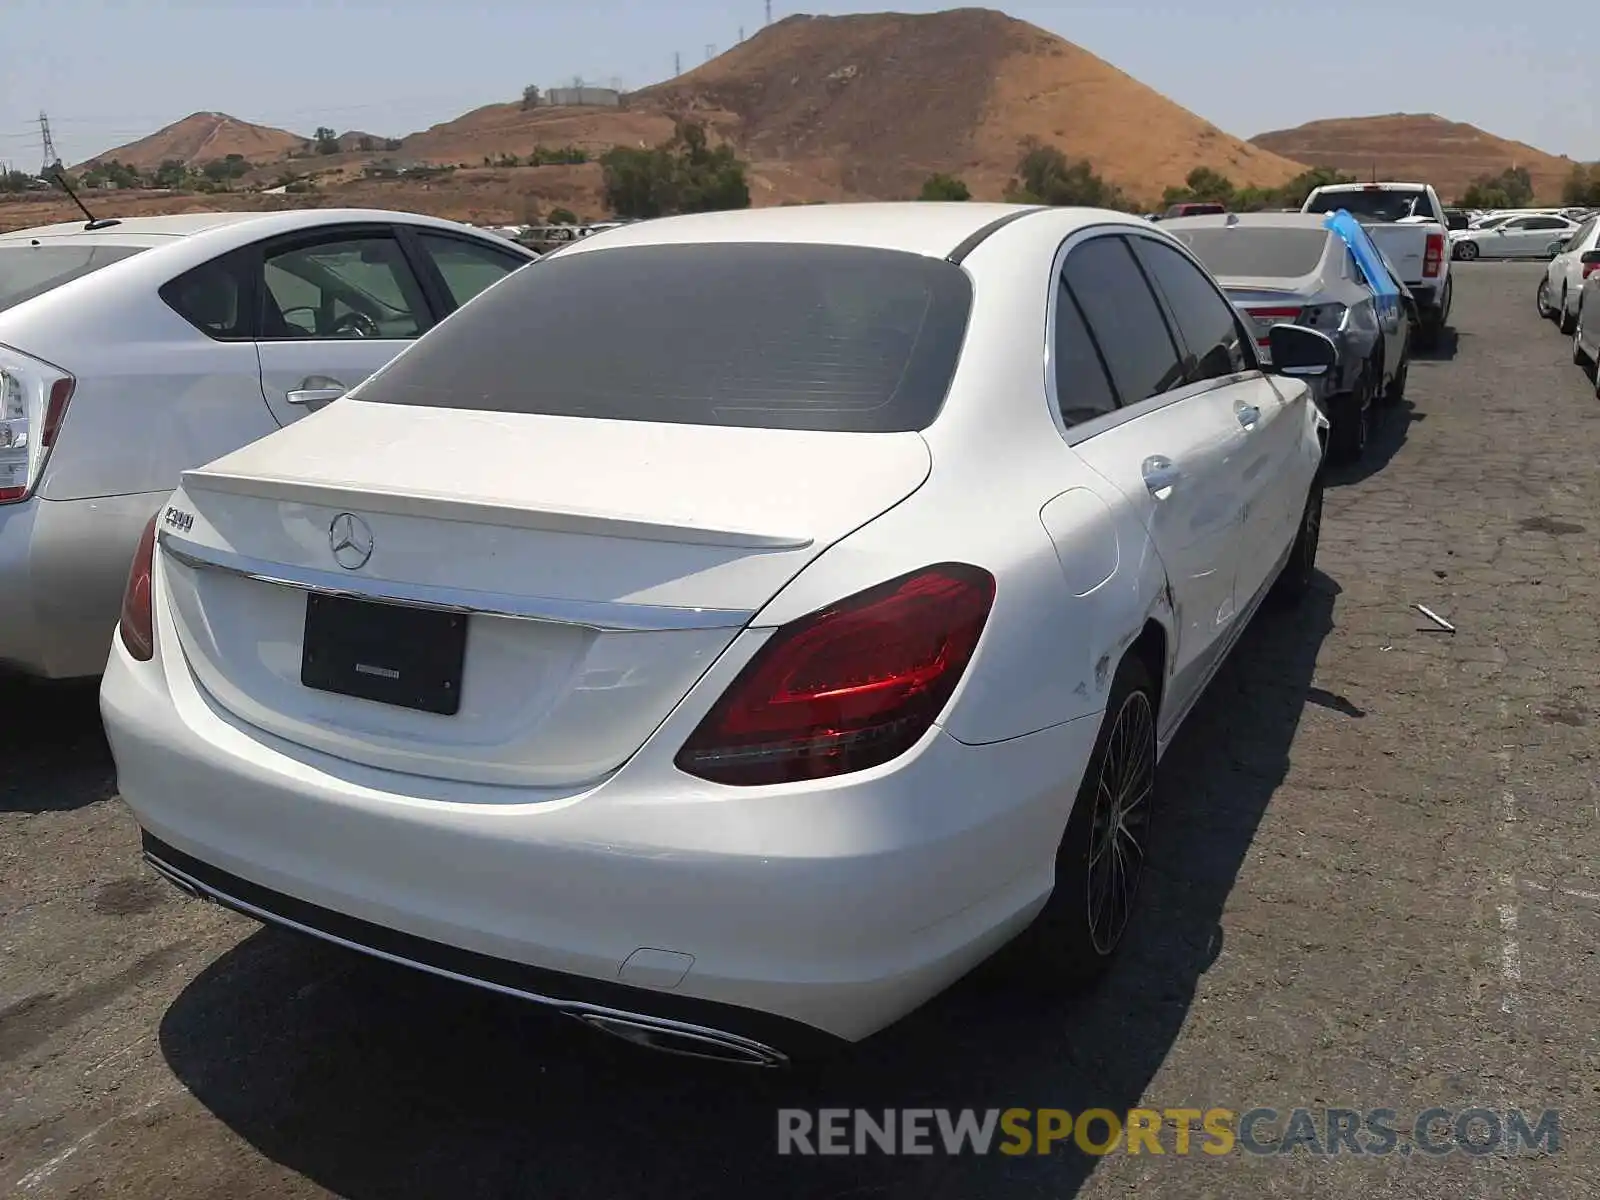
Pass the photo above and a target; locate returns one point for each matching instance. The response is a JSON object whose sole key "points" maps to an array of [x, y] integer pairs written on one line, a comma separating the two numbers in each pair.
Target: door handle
{"points": [[310, 396], [1161, 475], [1248, 415]]}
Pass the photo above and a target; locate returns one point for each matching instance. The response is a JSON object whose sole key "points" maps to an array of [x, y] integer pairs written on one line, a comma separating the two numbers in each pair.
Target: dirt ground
{"points": [[1377, 885]]}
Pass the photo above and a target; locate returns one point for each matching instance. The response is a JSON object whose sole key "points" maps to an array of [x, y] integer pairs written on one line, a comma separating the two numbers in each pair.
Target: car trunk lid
{"points": [[567, 579]]}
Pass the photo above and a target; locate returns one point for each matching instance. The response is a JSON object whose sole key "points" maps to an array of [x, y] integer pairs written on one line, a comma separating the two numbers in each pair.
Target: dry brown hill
{"points": [[869, 106], [1417, 146], [883, 100], [201, 137]]}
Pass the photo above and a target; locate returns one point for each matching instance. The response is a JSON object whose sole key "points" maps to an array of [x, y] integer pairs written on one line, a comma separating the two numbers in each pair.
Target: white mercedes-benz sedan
{"points": [[734, 630]]}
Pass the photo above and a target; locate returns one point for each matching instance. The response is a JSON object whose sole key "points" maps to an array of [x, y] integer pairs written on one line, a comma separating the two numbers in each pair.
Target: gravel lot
{"points": [[1378, 885]]}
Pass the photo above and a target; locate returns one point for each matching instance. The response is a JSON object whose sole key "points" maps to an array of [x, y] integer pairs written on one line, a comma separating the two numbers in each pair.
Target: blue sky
{"points": [[111, 72]]}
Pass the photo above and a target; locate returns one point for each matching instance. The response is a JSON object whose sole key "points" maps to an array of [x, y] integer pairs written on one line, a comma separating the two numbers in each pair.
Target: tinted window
{"points": [[1374, 206], [468, 267], [761, 335], [351, 287], [1206, 322], [1261, 251], [1124, 318], [1546, 223], [29, 271], [1082, 390], [214, 297]]}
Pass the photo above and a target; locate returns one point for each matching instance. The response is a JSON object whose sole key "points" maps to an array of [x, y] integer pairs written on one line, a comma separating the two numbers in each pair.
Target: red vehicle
{"points": [[1194, 208]]}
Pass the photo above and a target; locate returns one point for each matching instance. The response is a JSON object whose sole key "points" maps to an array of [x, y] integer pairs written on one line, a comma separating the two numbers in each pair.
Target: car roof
{"points": [[175, 227], [1260, 220], [1362, 187], [935, 229]]}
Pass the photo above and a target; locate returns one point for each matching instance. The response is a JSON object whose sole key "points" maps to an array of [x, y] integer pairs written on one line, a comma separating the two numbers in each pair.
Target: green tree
{"points": [[1044, 176], [1293, 194], [172, 173], [1582, 187], [1512, 188], [944, 187], [15, 181], [562, 216], [530, 97], [683, 175], [327, 141]]}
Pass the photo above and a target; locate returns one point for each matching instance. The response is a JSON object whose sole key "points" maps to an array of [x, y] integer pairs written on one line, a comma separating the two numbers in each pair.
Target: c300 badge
{"points": [[178, 519]]}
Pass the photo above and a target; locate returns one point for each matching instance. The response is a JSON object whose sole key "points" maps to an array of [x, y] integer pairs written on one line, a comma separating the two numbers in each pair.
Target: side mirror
{"points": [[1301, 352]]}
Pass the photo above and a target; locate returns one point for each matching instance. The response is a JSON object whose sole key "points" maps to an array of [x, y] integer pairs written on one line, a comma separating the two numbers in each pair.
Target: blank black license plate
{"points": [[391, 653]]}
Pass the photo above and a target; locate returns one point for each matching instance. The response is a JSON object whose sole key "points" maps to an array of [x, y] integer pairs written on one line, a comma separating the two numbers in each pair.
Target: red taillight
{"points": [[19, 413], [1272, 316], [1433, 256], [137, 622], [847, 687], [1590, 268]]}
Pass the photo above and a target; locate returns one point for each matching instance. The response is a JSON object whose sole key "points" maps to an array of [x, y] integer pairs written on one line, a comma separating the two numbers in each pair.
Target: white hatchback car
{"points": [[734, 630], [132, 349]]}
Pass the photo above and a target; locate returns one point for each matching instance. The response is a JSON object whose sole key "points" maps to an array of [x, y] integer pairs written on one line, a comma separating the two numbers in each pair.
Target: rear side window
{"points": [[1206, 321], [468, 267], [1261, 252], [1083, 392], [1124, 318], [757, 335], [29, 271], [216, 296]]}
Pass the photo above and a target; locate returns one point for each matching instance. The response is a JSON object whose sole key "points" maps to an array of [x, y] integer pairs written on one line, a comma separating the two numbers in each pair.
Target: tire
{"points": [[1578, 356], [1074, 939], [1294, 582], [1396, 391], [1351, 416], [1566, 321], [1541, 300], [1466, 251]]}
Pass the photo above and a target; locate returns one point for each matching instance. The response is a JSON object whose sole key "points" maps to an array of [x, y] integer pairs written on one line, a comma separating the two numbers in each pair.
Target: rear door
{"points": [[1269, 483], [1173, 448], [336, 304]]}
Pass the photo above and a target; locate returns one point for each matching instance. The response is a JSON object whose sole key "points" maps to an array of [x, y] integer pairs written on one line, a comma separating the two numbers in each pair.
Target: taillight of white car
{"points": [[848, 687], [33, 403], [137, 623], [1433, 256]]}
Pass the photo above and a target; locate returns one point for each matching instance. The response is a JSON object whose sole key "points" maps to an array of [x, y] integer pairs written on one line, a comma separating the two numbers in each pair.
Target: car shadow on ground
{"points": [[53, 752], [1391, 426], [1444, 350], [372, 1080]]}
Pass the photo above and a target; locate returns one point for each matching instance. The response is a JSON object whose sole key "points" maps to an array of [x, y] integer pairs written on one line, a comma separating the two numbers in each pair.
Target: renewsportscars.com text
{"points": [[1376, 1132]]}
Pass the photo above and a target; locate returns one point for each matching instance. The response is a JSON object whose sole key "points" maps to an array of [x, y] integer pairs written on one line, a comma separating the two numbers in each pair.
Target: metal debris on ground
{"points": [[1435, 618]]}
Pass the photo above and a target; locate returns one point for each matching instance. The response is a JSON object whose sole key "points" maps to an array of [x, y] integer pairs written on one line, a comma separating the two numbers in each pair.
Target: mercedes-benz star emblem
{"points": [[350, 539]]}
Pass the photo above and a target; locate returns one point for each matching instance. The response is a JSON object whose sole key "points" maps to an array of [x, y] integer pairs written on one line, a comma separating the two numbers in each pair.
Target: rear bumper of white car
{"points": [[63, 564], [781, 915]]}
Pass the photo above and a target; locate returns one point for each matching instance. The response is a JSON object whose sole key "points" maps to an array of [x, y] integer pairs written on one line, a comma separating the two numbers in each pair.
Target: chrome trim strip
{"points": [[759, 1053], [604, 616]]}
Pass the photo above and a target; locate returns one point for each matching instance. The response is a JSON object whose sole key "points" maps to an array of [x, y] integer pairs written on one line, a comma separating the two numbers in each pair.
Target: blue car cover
{"points": [[1384, 289]]}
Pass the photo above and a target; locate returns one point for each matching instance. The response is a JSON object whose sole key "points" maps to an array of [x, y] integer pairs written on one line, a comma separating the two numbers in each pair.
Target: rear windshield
{"points": [[759, 335], [29, 271], [1374, 206], [1262, 252]]}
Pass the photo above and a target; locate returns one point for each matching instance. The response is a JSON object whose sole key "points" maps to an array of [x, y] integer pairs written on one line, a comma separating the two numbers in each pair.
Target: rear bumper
{"points": [[63, 565], [835, 907]]}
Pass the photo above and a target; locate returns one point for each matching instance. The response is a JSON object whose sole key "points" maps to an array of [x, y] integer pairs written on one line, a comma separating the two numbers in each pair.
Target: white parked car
{"points": [[1586, 327], [1514, 237], [132, 349], [737, 676], [1576, 258]]}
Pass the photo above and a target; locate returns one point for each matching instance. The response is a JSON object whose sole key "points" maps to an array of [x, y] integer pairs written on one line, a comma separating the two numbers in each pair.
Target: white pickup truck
{"points": [[1407, 223]]}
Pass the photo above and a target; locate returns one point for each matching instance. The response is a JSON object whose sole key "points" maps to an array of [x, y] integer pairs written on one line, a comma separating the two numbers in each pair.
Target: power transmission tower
{"points": [[769, 12], [741, 33], [711, 51], [677, 63], [51, 158]]}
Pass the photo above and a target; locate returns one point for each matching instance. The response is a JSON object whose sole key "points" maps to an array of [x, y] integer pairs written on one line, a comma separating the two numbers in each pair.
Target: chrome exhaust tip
{"points": [[691, 1041]]}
